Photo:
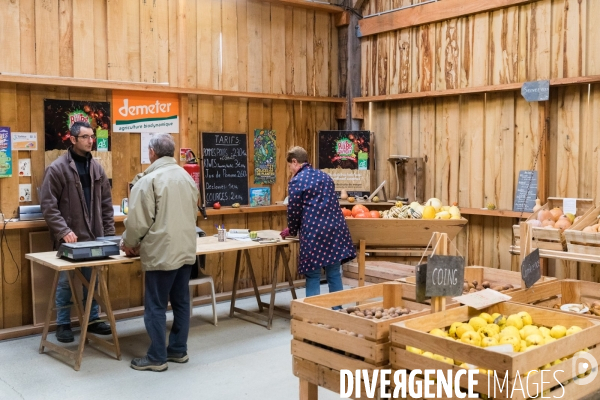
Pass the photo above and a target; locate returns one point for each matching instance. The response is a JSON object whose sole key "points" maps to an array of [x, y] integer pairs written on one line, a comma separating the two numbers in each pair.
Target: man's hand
{"points": [[70, 237], [285, 233], [129, 251]]}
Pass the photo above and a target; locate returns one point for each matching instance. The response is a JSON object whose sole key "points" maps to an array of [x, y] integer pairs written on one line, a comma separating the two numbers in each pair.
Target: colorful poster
{"points": [[260, 196], [346, 157], [5, 152], [24, 141], [184, 153], [145, 112], [264, 156], [59, 115]]}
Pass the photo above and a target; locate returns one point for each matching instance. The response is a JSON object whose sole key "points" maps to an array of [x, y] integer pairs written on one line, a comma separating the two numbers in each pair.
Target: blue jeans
{"points": [[162, 286], [334, 279], [63, 297]]}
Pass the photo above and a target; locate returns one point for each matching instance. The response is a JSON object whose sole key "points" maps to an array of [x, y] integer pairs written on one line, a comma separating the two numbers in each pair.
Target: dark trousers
{"points": [[162, 286]]}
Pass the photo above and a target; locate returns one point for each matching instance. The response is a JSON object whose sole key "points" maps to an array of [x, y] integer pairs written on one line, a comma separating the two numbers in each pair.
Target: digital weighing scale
{"points": [[87, 251]]}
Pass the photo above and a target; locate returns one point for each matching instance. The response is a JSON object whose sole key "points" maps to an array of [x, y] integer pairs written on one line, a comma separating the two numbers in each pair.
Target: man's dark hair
{"points": [[76, 127], [163, 145], [297, 153]]}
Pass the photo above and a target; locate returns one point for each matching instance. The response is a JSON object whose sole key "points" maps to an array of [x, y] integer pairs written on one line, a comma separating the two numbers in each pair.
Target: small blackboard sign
{"points": [[445, 276], [225, 168], [536, 90], [526, 191], [530, 268]]}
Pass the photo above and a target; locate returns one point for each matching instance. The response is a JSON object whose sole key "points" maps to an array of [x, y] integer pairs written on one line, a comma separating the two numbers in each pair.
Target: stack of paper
{"points": [[239, 234]]}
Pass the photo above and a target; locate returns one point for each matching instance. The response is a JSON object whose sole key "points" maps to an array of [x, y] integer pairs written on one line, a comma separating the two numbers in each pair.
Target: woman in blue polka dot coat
{"points": [[315, 215]]}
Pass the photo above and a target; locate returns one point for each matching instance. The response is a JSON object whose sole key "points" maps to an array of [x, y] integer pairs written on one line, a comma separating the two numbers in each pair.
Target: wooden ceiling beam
{"points": [[313, 5], [431, 12]]}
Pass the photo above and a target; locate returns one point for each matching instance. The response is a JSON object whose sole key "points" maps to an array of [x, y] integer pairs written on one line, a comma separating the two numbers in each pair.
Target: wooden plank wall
{"points": [[475, 145], [236, 45]]}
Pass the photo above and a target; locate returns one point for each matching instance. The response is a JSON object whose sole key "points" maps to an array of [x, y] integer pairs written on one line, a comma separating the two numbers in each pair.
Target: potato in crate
{"points": [[534, 338]]}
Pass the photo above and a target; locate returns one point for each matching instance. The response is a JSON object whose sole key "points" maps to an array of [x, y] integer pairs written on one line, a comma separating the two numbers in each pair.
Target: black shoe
{"points": [[99, 328], [64, 334], [144, 364], [178, 357]]}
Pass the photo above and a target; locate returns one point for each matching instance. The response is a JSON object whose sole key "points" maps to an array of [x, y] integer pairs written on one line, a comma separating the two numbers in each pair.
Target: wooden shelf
{"points": [[479, 89], [494, 213], [563, 255], [245, 210], [46, 80], [312, 5]]}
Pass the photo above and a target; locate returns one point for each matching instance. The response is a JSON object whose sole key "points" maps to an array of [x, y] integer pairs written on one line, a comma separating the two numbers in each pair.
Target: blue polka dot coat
{"points": [[314, 213]]}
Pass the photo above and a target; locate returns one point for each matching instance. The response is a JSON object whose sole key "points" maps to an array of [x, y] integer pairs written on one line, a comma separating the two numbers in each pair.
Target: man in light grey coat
{"points": [[161, 228]]}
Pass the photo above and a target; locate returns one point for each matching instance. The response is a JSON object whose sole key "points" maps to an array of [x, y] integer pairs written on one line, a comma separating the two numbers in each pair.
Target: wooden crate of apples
{"points": [[549, 223], [584, 237], [539, 339]]}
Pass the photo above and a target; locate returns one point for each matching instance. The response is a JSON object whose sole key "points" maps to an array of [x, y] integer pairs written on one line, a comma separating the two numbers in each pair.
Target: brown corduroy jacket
{"points": [[63, 203]]}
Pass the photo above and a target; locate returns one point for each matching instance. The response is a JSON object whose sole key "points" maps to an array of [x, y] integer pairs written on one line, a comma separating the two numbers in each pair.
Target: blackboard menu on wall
{"points": [[225, 168]]}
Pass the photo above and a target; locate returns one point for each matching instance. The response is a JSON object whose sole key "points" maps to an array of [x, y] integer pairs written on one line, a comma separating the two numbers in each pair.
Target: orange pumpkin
{"points": [[362, 215], [359, 208], [544, 215], [374, 214], [346, 212]]}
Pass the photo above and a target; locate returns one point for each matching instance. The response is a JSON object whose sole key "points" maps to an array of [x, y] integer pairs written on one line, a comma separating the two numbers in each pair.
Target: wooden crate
{"points": [[413, 332], [493, 275], [584, 242], [393, 233], [379, 271], [337, 350], [551, 239], [553, 294]]}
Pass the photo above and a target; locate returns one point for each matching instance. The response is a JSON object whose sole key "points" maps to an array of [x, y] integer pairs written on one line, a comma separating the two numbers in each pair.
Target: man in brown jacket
{"points": [[77, 206]]}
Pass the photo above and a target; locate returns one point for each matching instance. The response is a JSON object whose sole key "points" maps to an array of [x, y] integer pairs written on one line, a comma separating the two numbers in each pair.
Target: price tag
{"points": [[445, 276], [570, 206], [530, 268], [482, 299]]}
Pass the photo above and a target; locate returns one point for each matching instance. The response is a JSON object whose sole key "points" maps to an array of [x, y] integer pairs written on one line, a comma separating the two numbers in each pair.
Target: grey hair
{"points": [[162, 144], [76, 127]]}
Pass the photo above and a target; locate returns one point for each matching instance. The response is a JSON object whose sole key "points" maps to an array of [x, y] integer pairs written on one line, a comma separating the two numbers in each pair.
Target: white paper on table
{"points": [[482, 299], [570, 206], [243, 237]]}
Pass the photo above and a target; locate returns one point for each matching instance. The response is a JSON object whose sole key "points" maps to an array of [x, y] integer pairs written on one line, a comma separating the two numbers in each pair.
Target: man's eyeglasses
{"points": [[86, 137]]}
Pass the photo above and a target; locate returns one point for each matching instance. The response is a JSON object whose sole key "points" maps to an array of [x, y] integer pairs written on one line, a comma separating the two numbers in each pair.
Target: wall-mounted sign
{"points": [[347, 157], [536, 90], [145, 112], [5, 152], [24, 141]]}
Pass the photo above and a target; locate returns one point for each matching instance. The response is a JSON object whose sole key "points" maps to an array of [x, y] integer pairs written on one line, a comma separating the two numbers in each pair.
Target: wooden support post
{"points": [[362, 247], [308, 391], [440, 246]]}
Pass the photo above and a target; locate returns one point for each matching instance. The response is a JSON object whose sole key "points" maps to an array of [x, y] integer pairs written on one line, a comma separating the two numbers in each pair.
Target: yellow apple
{"points": [[438, 332], [427, 354], [549, 339], [489, 341], [486, 371], [546, 367], [523, 345], [414, 350], [557, 361], [488, 318], [452, 330], [511, 339], [558, 331], [526, 318], [477, 322], [573, 329], [514, 320], [535, 339], [528, 348], [529, 330], [544, 331], [472, 338], [463, 365], [499, 319], [491, 330], [510, 330], [443, 359], [462, 328]]}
